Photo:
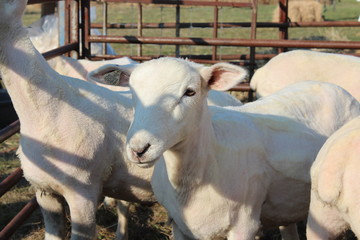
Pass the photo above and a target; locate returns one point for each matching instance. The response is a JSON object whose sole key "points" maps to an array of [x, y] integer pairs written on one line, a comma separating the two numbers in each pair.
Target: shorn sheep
{"points": [[302, 11], [227, 170], [335, 191], [299, 65], [73, 133]]}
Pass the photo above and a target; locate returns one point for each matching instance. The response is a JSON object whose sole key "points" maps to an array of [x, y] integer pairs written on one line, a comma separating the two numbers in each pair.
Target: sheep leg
{"points": [[122, 209], [324, 221], [83, 205], [248, 222], [246, 230], [52, 209], [289, 232]]}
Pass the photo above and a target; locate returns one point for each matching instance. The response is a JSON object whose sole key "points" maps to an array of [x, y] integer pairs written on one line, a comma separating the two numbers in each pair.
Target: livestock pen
{"points": [[214, 48]]}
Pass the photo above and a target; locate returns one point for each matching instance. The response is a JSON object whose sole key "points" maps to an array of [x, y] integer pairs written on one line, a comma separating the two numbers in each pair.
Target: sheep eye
{"points": [[189, 92]]}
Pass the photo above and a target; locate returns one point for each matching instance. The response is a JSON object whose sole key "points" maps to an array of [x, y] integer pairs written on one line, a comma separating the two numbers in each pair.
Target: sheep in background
{"points": [[299, 65], [44, 34], [302, 11], [334, 205], [225, 171]]}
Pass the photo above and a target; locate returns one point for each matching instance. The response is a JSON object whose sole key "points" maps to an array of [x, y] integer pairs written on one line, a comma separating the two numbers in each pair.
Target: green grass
{"points": [[347, 10], [127, 13]]}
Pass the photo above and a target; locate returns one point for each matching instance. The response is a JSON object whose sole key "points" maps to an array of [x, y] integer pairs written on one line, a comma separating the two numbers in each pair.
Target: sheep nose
{"points": [[141, 151]]}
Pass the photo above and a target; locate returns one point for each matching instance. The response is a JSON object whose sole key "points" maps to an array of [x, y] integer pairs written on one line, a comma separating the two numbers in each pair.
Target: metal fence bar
{"points": [[140, 27], [231, 25], [228, 42], [215, 31], [10, 130], [184, 2], [19, 219], [41, 1], [58, 51], [10, 181]]}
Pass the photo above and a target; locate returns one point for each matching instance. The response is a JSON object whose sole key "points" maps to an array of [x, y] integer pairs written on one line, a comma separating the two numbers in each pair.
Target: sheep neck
{"points": [[189, 162], [30, 82]]}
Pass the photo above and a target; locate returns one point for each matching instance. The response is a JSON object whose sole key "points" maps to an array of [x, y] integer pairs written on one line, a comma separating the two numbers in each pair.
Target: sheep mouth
{"points": [[146, 164]]}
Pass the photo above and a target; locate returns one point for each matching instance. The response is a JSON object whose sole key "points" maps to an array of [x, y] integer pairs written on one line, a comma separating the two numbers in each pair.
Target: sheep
{"points": [[72, 145], [302, 11], [72, 134], [334, 205], [221, 171], [97, 76], [299, 65], [81, 68], [44, 34]]}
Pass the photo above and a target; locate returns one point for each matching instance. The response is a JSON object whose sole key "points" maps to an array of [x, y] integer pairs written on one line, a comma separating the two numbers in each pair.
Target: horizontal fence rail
{"points": [[184, 2], [228, 25], [19, 219], [227, 42]]}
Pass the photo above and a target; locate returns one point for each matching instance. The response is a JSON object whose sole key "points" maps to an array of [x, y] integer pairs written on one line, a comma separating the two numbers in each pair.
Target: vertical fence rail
{"points": [[215, 30], [139, 25], [283, 15], [177, 29]]}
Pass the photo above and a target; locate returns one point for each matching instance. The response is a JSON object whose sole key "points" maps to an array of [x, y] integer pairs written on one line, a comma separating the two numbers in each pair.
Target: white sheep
{"points": [[81, 68], [334, 205], [302, 11], [97, 76], [72, 134], [299, 65], [44, 34], [226, 170]]}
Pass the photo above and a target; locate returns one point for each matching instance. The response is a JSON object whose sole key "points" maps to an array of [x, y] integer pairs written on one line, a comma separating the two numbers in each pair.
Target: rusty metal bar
{"points": [[177, 29], [184, 2], [139, 26], [241, 57], [104, 27], [10, 130], [74, 25], [231, 25], [253, 36], [283, 31], [19, 219], [85, 29], [215, 30], [10, 181], [243, 87], [61, 50], [41, 1], [228, 42]]}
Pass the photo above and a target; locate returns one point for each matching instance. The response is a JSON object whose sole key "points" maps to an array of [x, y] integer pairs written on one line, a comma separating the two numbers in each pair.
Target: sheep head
{"points": [[169, 97], [11, 12]]}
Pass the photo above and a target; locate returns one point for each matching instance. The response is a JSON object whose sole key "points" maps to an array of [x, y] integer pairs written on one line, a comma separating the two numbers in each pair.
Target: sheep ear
{"points": [[112, 74], [223, 76]]}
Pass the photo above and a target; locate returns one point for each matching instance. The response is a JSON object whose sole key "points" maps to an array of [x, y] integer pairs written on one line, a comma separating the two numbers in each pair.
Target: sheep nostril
{"points": [[143, 151]]}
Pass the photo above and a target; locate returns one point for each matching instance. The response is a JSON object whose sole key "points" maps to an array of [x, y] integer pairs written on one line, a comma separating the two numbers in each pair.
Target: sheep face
{"points": [[169, 97]]}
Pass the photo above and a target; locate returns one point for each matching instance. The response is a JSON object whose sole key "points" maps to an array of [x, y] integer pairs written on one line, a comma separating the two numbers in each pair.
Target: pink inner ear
{"points": [[222, 79], [216, 75]]}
